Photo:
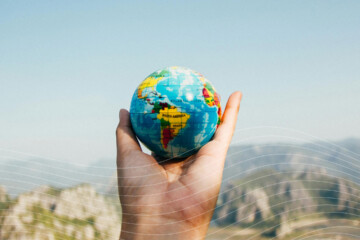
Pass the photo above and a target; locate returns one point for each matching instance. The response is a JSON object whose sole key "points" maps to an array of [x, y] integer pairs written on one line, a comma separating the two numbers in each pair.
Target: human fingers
{"points": [[125, 137], [209, 163], [226, 129]]}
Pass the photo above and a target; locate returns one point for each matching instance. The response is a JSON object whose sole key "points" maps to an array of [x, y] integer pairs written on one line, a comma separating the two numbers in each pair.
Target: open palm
{"points": [[171, 199]]}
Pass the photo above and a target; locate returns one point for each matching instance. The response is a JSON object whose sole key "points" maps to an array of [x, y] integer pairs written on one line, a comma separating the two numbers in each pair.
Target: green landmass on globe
{"points": [[175, 111]]}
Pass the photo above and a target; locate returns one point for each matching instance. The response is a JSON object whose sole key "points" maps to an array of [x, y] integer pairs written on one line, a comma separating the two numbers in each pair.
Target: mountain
{"points": [[341, 159], [47, 213], [23, 175], [338, 159], [262, 205], [269, 199]]}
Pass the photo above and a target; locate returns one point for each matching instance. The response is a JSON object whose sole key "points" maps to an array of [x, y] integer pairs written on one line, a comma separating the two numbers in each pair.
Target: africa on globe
{"points": [[175, 111]]}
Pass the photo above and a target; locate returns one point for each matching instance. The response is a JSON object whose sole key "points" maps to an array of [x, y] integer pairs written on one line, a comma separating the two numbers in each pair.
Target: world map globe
{"points": [[175, 111]]}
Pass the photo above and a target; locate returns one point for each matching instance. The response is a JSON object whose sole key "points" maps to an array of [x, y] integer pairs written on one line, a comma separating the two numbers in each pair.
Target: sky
{"points": [[67, 67]]}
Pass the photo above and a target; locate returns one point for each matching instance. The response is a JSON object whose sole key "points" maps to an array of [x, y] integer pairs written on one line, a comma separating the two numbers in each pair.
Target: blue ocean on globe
{"points": [[175, 111]]}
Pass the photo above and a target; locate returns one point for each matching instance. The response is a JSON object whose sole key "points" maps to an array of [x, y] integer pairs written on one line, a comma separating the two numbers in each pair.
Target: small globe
{"points": [[175, 111]]}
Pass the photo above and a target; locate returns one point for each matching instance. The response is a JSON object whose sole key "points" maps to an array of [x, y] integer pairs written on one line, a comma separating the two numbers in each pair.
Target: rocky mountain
{"points": [[265, 186], [268, 202], [48, 213], [3, 195], [4, 204], [20, 176], [338, 159], [271, 199]]}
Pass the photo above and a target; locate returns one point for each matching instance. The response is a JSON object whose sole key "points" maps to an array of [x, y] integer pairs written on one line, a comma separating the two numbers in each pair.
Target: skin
{"points": [[171, 199]]}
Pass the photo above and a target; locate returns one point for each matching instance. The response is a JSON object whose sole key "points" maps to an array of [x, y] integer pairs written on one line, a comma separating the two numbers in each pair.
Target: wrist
{"points": [[159, 228]]}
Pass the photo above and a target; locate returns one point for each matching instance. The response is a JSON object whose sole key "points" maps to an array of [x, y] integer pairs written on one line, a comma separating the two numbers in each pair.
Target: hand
{"points": [[172, 199]]}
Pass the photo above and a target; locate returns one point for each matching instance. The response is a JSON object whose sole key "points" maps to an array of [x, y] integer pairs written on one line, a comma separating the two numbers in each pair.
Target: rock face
{"points": [[4, 204], [296, 197], [243, 206], [253, 207], [51, 214], [274, 199], [3, 194], [348, 197], [284, 227]]}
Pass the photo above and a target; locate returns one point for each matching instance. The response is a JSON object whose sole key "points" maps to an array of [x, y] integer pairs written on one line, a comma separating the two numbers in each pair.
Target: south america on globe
{"points": [[175, 111]]}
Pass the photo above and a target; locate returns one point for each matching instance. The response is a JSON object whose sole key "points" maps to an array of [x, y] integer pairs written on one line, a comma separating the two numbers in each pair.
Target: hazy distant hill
{"points": [[337, 158], [22, 176], [262, 205], [269, 189]]}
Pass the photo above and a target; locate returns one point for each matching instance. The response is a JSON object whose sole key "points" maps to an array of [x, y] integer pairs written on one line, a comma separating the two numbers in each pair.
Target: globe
{"points": [[175, 111]]}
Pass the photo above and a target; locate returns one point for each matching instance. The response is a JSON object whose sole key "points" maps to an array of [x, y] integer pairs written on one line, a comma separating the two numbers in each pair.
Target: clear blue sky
{"points": [[67, 67]]}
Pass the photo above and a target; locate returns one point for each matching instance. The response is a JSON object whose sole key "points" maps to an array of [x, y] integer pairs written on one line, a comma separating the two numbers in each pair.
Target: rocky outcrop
{"points": [[243, 206], [295, 197], [348, 197], [344, 196], [51, 214], [309, 173], [276, 199], [3, 195], [4, 204], [284, 227], [254, 207]]}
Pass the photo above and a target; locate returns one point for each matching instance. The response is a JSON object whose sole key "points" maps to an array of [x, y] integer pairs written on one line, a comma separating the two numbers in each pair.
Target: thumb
{"points": [[125, 137]]}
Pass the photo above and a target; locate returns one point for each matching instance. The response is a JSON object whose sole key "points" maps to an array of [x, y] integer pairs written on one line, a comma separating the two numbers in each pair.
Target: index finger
{"points": [[209, 164], [226, 129]]}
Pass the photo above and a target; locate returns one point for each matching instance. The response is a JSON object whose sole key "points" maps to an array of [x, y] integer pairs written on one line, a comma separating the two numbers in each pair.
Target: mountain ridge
{"points": [[340, 158]]}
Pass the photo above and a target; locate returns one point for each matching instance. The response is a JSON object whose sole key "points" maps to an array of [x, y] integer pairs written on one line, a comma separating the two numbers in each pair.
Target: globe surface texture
{"points": [[175, 111]]}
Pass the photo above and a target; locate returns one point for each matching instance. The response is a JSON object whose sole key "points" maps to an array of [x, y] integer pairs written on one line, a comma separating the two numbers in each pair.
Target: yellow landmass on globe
{"points": [[149, 82], [172, 121]]}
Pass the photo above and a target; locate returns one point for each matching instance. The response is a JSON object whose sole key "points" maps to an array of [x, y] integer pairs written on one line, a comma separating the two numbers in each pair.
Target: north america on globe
{"points": [[175, 111]]}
